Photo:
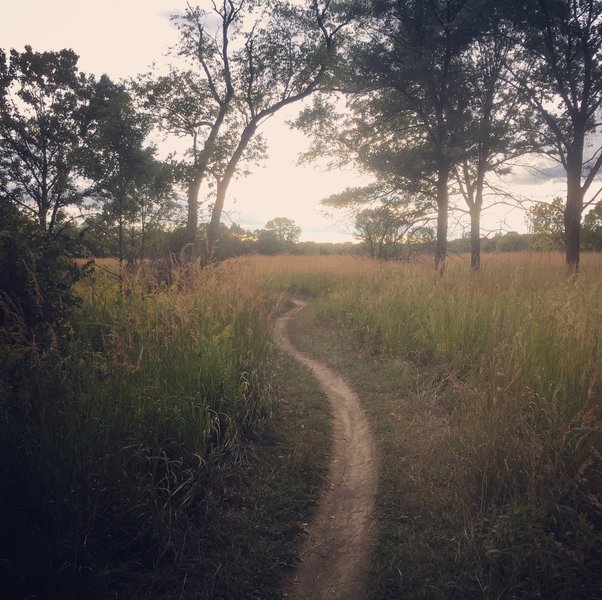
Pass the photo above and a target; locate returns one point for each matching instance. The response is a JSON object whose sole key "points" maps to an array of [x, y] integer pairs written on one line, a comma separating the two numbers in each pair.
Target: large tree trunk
{"points": [[573, 208], [222, 188], [442, 219]]}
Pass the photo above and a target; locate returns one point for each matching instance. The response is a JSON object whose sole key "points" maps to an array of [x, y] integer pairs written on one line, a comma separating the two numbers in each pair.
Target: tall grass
{"points": [[114, 437], [121, 437], [513, 356]]}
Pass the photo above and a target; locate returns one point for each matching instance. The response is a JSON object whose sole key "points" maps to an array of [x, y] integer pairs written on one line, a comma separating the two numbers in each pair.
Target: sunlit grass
{"points": [[508, 363], [120, 450]]}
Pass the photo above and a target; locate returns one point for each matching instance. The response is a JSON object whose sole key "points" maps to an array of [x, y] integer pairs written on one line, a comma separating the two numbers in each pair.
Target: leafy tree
{"points": [[284, 229], [561, 74], [546, 223], [189, 105], [234, 241], [391, 220], [592, 228], [498, 127], [279, 235], [131, 186], [408, 96], [42, 126], [511, 241], [261, 59], [382, 230]]}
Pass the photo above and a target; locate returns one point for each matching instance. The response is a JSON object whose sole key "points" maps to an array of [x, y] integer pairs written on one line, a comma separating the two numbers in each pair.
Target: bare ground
{"points": [[336, 553]]}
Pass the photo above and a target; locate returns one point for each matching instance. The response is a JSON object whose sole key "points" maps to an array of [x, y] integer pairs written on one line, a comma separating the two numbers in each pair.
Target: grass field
{"points": [[163, 449], [140, 453], [484, 392]]}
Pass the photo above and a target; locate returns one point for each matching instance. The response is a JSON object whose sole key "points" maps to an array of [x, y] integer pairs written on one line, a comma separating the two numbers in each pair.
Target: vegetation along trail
{"points": [[336, 553]]}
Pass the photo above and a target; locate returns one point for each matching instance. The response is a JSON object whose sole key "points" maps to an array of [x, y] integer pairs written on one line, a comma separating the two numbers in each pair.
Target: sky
{"points": [[123, 37]]}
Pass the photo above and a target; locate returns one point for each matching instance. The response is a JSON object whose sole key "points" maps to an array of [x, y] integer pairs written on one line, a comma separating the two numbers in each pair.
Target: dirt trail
{"points": [[336, 553]]}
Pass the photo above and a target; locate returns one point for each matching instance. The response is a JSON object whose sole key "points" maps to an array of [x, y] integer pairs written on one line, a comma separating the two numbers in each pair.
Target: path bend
{"points": [[335, 555]]}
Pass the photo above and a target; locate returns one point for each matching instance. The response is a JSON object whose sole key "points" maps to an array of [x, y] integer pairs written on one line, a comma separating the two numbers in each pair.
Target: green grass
{"points": [[163, 449], [139, 455]]}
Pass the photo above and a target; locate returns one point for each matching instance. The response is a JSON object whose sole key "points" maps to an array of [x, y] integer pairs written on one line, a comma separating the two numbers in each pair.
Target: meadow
{"points": [[484, 394], [162, 448], [138, 455]]}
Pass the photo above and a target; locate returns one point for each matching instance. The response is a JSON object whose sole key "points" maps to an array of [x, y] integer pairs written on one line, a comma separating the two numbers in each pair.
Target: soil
{"points": [[335, 555]]}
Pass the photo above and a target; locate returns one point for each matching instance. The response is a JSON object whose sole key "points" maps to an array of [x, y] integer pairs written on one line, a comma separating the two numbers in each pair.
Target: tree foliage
{"points": [[249, 61], [280, 235], [131, 186], [43, 124], [409, 90], [546, 223], [560, 71]]}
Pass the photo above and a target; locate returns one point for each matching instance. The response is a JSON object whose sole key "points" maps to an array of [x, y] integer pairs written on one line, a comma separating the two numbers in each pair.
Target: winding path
{"points": [[336, 553]]}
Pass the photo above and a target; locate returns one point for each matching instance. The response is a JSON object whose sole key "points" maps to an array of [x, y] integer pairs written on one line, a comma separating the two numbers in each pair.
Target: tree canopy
{"points": [[43, 124]]}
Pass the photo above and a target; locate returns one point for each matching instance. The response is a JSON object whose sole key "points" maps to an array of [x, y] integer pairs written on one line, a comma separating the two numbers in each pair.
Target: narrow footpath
{"points": [[336, 553]]}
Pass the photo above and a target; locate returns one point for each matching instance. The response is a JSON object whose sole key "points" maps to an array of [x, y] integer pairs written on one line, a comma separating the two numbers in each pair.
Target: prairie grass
{"points": [[505, 371], [160, 449], [120, 441]]}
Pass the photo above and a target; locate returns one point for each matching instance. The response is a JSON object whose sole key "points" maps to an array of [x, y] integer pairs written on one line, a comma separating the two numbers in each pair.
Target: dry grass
{"points": [[503, 457], [125, 458]]}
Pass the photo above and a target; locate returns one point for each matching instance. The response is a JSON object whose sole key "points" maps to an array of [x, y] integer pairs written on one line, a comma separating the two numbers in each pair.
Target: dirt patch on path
{"points": [[336, 553]]}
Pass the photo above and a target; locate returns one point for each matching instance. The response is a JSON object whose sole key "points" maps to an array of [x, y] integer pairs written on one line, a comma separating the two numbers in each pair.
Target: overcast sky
{"points": [[123, 37]]}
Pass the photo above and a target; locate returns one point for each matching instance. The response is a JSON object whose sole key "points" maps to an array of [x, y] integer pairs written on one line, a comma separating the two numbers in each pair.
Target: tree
{"points": [[130, 185], [42, 126], [382, 230], [592, 228], [561, 43], [186, 104], [284, 229], [497, 129], [546, 224], [408, 95], [390, 221], [279, 235], [261, 60]]}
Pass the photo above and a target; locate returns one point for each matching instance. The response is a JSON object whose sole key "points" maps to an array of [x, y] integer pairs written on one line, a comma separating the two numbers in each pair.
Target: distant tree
{"points": [[561, 46], [511, 241], [385, 220], [279, 235], [385, 230], [285, 230], [43, 123], [592, 228], [546, 224], [234, 241]]}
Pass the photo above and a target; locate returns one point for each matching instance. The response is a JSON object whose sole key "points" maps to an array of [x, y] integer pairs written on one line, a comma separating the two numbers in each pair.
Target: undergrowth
{"points": [[121, 436]]}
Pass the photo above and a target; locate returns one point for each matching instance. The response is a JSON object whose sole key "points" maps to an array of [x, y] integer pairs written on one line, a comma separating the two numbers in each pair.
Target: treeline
{"points": [[231, 242], [434, 100], [437, 100]]}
